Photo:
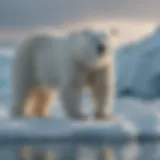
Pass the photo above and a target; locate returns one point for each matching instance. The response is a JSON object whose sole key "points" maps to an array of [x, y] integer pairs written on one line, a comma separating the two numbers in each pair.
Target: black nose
{"points": [[101, 49]]}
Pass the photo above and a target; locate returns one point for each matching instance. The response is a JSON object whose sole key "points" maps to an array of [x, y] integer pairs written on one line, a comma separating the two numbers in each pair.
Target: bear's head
{"points": [[91, 48]]}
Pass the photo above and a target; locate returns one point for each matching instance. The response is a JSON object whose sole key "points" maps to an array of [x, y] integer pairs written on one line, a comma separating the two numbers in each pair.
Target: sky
{"points": [[21, 16]]}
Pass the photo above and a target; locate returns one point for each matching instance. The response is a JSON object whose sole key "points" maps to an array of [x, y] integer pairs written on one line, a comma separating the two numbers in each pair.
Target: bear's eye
{"points": [[101, 49]]}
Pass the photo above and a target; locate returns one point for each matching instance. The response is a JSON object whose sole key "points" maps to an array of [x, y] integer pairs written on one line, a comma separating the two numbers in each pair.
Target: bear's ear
{"points": [[114, 32]]}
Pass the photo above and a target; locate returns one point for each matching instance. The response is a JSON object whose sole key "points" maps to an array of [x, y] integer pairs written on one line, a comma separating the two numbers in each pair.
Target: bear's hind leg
{"points": [[37, 105], [38, 102]]}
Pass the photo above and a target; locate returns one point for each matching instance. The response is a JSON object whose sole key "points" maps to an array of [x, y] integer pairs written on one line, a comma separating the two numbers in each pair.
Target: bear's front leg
{"points": [[103, 92], [71, 98]]}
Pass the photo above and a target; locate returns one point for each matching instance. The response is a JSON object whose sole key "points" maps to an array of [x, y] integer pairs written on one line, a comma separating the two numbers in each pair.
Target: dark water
{"points": [[69, 151]]}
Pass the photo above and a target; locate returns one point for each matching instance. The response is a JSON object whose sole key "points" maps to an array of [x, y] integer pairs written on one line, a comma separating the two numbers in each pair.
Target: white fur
{"points": [[65, 63]]}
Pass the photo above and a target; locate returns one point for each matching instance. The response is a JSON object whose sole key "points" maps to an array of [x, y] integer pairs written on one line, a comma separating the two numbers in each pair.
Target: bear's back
{"points": [[50, 58]]}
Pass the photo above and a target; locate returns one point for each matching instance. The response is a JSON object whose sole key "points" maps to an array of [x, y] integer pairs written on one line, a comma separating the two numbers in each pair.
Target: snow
{"points": [[134, 119]]}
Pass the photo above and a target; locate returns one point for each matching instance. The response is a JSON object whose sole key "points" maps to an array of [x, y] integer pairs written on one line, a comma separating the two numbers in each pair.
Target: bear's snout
{"points": [[101, 48]]}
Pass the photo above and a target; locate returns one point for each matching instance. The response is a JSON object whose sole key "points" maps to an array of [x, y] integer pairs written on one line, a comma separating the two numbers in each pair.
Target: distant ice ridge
{"points": [[138, 67]]}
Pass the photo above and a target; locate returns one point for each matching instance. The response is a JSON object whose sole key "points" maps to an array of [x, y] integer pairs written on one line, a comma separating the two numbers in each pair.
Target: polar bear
{"points": [[69, 63]]}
